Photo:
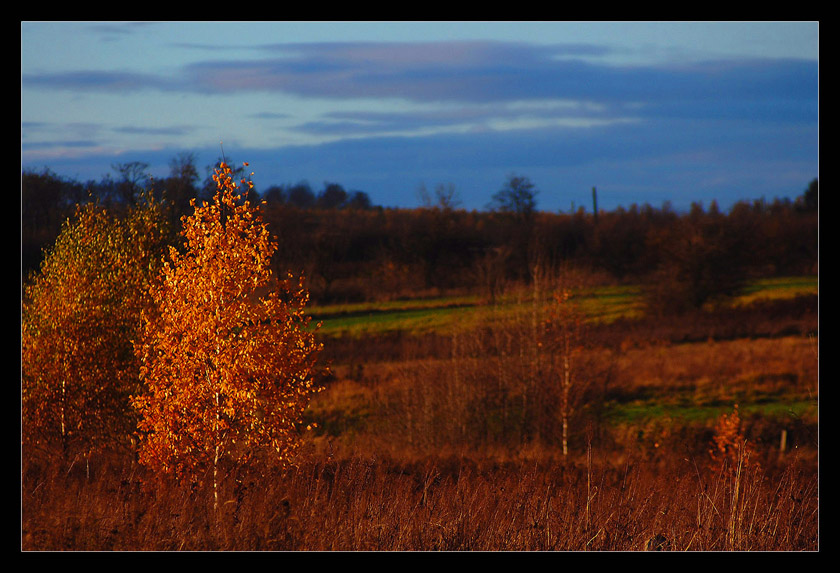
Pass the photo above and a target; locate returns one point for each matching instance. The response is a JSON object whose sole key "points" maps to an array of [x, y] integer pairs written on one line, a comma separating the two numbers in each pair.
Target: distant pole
{"points": [[595, 204]]}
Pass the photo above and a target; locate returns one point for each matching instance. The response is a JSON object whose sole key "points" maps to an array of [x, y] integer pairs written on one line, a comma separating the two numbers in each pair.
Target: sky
{"points": [[646, 112]]}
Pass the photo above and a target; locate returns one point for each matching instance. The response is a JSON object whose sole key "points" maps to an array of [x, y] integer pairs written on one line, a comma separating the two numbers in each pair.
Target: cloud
{"points": [[419, 72], [100, 81], [681, 160], [629, 163], [484, 117], [111, 31], [143, 130], [271, 115], [55, 134], [469, 112], [40, 145], [481, 73]]}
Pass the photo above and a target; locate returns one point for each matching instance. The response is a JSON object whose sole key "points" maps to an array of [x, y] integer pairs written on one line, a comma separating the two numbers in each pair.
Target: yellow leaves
{"points": [[78, 317], [209, 308]]}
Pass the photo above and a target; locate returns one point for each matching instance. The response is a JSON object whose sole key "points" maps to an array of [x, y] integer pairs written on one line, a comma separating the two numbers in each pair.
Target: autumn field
{"points": [[421, 380], [429, 437]]}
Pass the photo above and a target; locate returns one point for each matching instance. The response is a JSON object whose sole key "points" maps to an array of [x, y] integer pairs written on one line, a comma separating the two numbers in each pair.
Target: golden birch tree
{"points": [[227, 355], [79, 315]]}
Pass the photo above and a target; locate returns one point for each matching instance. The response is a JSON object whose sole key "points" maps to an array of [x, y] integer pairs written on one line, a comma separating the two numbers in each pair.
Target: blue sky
{"points": [[646, 112]]}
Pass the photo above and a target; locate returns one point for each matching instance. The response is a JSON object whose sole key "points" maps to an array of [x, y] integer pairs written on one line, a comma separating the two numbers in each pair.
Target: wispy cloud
{"points": [[479, 73], [269, 115], [497, 116], [101, 81], [418, 72], [70, 130], [145, 130], [89, 143], [109, 29], [482, 72]]}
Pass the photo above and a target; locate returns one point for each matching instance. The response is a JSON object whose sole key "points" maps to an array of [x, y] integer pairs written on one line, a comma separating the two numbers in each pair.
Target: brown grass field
{"points": [[696, 433]]}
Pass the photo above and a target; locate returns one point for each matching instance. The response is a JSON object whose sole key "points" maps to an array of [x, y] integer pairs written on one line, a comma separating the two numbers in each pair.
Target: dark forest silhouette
{"points": [[351, 250]]}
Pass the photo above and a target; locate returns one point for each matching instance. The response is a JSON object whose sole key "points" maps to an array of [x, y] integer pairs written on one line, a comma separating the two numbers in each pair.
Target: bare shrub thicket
{"points": [[518, 379]]}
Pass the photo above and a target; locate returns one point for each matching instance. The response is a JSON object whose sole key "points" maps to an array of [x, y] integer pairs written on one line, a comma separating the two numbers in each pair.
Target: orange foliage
{"points": [[729, 446], [78, 317], [227, 357]]}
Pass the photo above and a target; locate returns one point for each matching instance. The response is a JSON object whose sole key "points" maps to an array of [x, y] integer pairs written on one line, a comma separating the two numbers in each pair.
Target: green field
{"points": [[448, 314], [780, 287]]}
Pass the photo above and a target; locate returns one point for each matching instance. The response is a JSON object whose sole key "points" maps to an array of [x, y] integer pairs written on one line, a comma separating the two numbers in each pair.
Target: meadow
{"points": [[438, 429]]}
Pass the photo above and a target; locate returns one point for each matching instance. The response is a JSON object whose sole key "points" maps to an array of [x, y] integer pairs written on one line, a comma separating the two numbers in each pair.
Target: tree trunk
{"points": [[216, 481], [567, 383]]}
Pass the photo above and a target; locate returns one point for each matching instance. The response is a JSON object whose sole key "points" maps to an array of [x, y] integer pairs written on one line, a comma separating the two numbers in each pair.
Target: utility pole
{"points": [[595, 204]]}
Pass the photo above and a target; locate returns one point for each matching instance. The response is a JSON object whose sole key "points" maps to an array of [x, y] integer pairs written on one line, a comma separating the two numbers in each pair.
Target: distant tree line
{"points": [[47, 199], [351, 250], [700, 255]]}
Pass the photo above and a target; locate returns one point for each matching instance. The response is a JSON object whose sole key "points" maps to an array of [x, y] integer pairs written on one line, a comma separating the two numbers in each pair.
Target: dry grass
{"points": [[428, 450], [723, 370], [359, 503], [636, 398]]}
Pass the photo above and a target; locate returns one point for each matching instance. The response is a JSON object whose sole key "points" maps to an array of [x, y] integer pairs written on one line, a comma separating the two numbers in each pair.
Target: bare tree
{"points": [[518, 196]]}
